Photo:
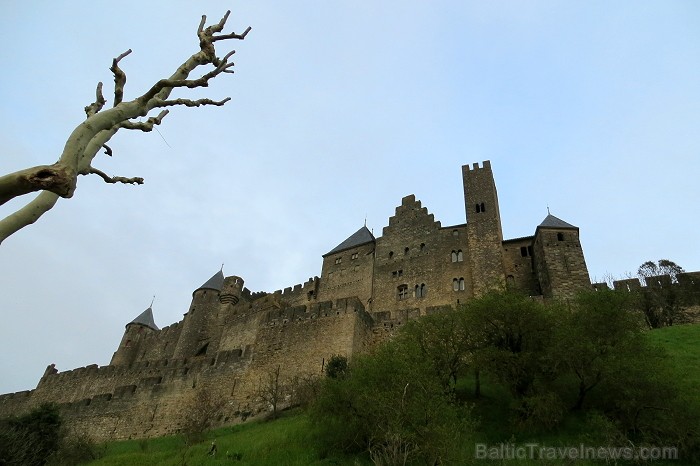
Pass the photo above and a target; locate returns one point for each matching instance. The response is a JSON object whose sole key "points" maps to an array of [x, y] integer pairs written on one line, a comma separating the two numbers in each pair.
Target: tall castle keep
{"points": [[230, 337]]}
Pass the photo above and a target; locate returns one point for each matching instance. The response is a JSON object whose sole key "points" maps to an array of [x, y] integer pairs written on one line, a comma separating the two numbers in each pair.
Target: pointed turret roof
{"points": [[216, 282], [551, 221], [360, 237], [145, 318]]}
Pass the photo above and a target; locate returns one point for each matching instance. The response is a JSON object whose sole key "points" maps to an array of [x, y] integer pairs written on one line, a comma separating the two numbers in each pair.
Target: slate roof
{"points": [[145, 318], [553, 222], [214, 283], [360, 237]]}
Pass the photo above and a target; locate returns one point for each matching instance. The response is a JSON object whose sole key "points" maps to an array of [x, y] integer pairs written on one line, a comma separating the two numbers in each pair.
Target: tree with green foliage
{"points": [[512, 336], [663, 301], [445, 342], [391, 405], [596, 338], [31, 439], [337, 366]]}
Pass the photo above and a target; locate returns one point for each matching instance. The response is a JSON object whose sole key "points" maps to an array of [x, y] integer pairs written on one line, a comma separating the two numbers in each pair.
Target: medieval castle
{"points": [[230, 337]]}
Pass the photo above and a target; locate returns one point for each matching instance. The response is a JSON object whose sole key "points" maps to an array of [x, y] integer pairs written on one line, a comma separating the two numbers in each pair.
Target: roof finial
{"points": [[548, 213], [222, 268], [154, 298], [365, 220]]}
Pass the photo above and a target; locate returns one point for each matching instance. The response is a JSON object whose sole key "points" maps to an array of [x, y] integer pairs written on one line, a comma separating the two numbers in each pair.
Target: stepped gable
{"points": [[411, 213], [360, 237], [146, 319], [551, 221]]}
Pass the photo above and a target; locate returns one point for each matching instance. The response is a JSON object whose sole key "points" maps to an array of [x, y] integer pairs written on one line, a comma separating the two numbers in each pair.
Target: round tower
{"points": [[136, 331], [194, 337], [231, 290]]}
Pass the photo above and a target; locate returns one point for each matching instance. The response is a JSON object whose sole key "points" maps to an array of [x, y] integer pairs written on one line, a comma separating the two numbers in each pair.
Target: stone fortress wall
{"points": [[230, 337]]}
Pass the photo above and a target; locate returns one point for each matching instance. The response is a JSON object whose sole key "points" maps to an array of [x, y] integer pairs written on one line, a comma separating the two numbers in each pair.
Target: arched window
{"points": [[420, 291], [483, 207], [455, 284], [478, 208], [454, 256], [461, 284], [460, 256]]}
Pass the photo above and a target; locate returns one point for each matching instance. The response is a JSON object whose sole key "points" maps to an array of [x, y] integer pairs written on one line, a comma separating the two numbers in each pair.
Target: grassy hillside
{"points": [[284, 441], [289, 440]]}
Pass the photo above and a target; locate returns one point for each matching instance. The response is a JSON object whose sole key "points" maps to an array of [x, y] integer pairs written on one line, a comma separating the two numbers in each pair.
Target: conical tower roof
{"points": [[145, 318], [216, 282], [360, 237], [551, 221]]}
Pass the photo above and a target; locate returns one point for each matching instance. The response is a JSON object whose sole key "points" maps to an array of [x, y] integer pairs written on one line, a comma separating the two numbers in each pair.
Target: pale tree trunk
{"points": [[92, 135]]}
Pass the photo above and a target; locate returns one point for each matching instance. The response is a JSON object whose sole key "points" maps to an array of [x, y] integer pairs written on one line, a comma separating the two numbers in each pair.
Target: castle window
{"points": [[127, 344], [353, 256], [478, 208], [397, 273], [422, 246], [420, 291], [529, 250], [458, 284], [454, 256], [483, 207], [560, 236], [405, 251], [526, 251], [457, 256], [455, 232], [402, 292], [391, 254], [338, 260], [461, 284]]}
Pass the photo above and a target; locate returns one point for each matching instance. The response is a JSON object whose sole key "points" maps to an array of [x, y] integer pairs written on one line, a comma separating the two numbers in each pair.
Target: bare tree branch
{"points": [[145, 126], [191, 103], [119, 78], [114, 179], [99, 102], [92, 135]]}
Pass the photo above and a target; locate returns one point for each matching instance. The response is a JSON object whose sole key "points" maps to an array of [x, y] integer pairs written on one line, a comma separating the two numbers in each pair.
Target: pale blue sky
{"points": [[339, 110]]}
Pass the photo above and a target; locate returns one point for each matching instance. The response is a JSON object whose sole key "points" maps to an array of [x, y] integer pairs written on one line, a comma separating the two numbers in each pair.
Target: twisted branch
{"points": [[92, 135], [113, 179], [99, 102], [119, 78], [145, 126]]}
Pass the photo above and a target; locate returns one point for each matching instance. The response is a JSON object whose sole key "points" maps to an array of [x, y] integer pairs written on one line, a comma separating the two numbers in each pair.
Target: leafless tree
{"points": [[271, 390], [91, 136]]}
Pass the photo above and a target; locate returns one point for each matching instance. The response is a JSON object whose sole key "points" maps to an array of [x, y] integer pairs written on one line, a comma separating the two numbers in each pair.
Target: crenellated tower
{"points": [[484, 233], [131, 345]]}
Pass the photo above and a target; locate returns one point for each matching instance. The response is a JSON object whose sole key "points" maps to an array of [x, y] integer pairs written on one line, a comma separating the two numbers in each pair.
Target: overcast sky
{"points": [[339, 109]]}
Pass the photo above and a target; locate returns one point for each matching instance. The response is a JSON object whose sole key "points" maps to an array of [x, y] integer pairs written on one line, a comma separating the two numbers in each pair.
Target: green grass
{"points": [[683, 345], [289, 440], [284, 441]]}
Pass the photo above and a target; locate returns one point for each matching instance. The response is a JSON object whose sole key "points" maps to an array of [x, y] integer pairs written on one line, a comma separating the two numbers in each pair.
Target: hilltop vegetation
{"points": [[502, 370]]}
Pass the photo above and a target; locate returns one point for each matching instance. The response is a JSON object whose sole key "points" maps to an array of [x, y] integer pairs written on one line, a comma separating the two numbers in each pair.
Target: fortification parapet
{"points": [[629, 284]]}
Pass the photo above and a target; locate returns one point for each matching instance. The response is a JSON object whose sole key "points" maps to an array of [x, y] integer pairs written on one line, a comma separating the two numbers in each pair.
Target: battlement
{"points": [[475, 166], [300, 292], [690, 281], [325, 309]]}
